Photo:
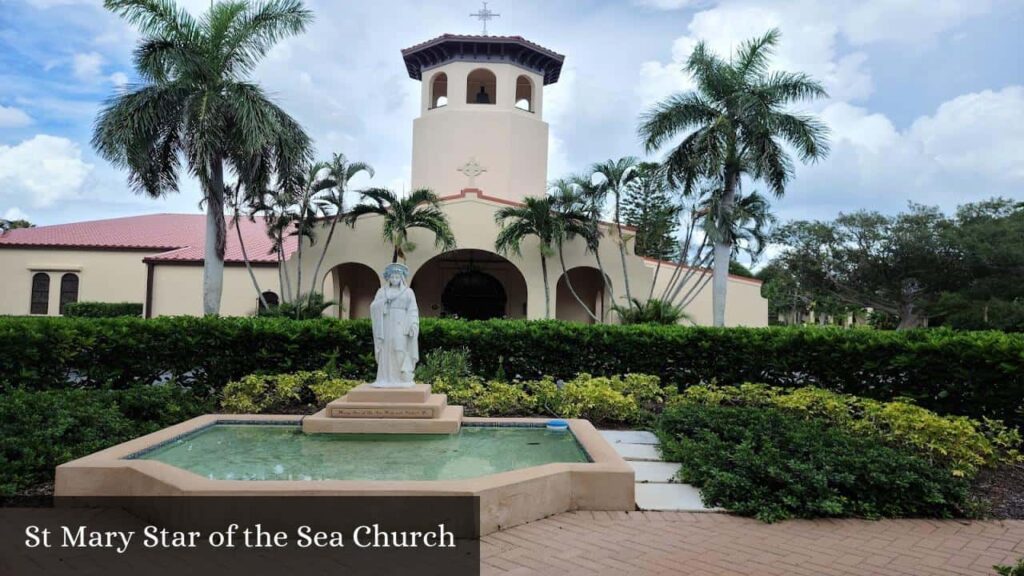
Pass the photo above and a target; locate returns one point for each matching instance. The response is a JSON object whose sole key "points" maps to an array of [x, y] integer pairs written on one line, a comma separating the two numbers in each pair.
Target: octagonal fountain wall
{"points": [[544, 472]]}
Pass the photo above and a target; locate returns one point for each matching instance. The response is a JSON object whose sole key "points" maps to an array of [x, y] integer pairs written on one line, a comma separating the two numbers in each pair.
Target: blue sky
{"points": [[926, 98]]}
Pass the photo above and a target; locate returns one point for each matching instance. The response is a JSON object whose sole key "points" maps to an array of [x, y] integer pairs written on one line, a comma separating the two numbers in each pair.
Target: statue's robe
{"points": [[396, 322]]}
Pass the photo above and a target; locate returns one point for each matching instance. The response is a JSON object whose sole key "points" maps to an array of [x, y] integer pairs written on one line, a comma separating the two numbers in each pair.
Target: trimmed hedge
{"points": [[103, 309], [979, 374], [41, 429]]}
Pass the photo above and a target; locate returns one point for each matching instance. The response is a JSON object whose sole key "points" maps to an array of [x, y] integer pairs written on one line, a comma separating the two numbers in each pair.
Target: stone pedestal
{"points": [[369, 410]]}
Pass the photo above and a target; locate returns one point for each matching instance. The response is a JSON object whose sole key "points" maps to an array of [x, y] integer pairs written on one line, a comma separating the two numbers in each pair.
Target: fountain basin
{"points": [[517, 481]]}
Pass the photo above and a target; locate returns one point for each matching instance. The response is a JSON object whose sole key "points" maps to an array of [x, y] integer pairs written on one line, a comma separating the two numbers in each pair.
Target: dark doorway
{"points": [[474, 295]]}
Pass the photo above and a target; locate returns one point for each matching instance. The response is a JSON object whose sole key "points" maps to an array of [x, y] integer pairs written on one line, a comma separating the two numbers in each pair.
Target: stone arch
{"points": [[470, 283], [591, 289], [481, 87], [524, 93], [355, 285], [439, 90]]}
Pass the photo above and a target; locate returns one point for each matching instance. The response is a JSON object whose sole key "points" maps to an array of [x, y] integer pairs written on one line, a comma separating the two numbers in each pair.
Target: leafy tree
{"points": [[894, 264], [195, 103], [536, 217], [988, 237], [735, 124], [650, 209], [6, 225], [420, 209]]}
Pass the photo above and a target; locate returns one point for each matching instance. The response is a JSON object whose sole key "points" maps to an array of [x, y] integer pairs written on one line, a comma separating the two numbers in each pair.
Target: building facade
{"points": [[479, 142]]}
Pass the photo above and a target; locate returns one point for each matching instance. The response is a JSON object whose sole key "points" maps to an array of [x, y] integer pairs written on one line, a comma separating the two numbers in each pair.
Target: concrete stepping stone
{"points": [[662, 472], [644, 452], [676, 497], [630, 437]]}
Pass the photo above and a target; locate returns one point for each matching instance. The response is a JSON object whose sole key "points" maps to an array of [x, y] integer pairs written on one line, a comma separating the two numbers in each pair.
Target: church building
{"points": [[480, 142]]}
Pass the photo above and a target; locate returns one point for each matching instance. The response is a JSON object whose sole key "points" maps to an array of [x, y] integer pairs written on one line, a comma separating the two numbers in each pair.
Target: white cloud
{"points": [[980, 133], [42, 170], [809, 44], [14, 213], [971, 148], [118, 79], [11, 117], [866, 21], [87, 66]]}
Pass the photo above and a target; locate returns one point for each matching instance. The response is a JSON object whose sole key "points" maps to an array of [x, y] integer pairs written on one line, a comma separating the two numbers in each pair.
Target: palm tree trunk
{"points": [[248, 265], [609, 289], [213, 253], [287, 277], [280, 272], [657, 268], [298, 275], [723, 254], [622, 250], [547, 290], [323, 252], [568, 282]]}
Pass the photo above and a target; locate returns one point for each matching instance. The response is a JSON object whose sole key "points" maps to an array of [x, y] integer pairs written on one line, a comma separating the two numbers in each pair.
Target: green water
{"points": [[274, 452]]}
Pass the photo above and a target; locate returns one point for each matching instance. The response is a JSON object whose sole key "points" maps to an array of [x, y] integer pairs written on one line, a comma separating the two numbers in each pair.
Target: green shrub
{"points": [[957, 443], [269, 393], [774, 465], [102, 309], [39, 430], [977, 374], [502, 399], [331, 389], [307, 307], [441, 364]]}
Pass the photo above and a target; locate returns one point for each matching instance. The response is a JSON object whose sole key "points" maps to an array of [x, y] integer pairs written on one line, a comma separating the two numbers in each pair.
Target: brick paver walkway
{"points": [[636, 543]]}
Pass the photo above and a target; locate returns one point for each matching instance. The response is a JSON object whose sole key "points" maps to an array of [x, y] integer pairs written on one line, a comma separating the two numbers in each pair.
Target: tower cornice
{"points": [[471, 48]]}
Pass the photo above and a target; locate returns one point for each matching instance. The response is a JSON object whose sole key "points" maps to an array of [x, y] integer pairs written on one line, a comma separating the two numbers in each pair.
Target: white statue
{"points": [[396, 330]]}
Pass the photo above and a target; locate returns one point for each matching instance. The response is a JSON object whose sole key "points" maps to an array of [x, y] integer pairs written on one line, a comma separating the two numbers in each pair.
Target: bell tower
{"points": [[481, 122]]}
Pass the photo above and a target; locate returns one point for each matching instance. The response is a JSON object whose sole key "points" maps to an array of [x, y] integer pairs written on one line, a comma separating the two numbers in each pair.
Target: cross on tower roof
{"points": [[484, 15]]}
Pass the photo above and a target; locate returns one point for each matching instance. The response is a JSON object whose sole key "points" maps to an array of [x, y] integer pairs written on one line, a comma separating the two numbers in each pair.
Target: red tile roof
{"points": [[179, 237]]}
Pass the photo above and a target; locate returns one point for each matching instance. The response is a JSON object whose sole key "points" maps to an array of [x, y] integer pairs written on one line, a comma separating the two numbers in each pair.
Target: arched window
{"points": [[439, 90], [68, 290], [40, 293], [524, 93], [481, 87], [271, 298]]}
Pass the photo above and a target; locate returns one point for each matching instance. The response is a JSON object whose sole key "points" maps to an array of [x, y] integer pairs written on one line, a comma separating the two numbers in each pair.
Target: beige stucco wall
{"points": [[178, 290], [511, 144], [103, 276], [744, 304], [472, 220]]}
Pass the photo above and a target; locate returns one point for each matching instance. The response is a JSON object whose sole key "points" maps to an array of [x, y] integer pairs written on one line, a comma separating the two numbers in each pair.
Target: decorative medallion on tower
{"points": [[471, 170]]}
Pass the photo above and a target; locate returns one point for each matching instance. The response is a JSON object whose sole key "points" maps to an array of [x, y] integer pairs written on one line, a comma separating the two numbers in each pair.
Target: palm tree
{"points": [[592, 198], [535, 217], [194, 103], [571, 208], [420, 209], [304, 188], [614, 177], [341, 172], [735, 124]]}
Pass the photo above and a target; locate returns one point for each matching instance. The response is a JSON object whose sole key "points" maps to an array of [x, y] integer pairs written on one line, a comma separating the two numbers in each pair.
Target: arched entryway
{"points": [[589, 287], [354, 286], [470, 284]]}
